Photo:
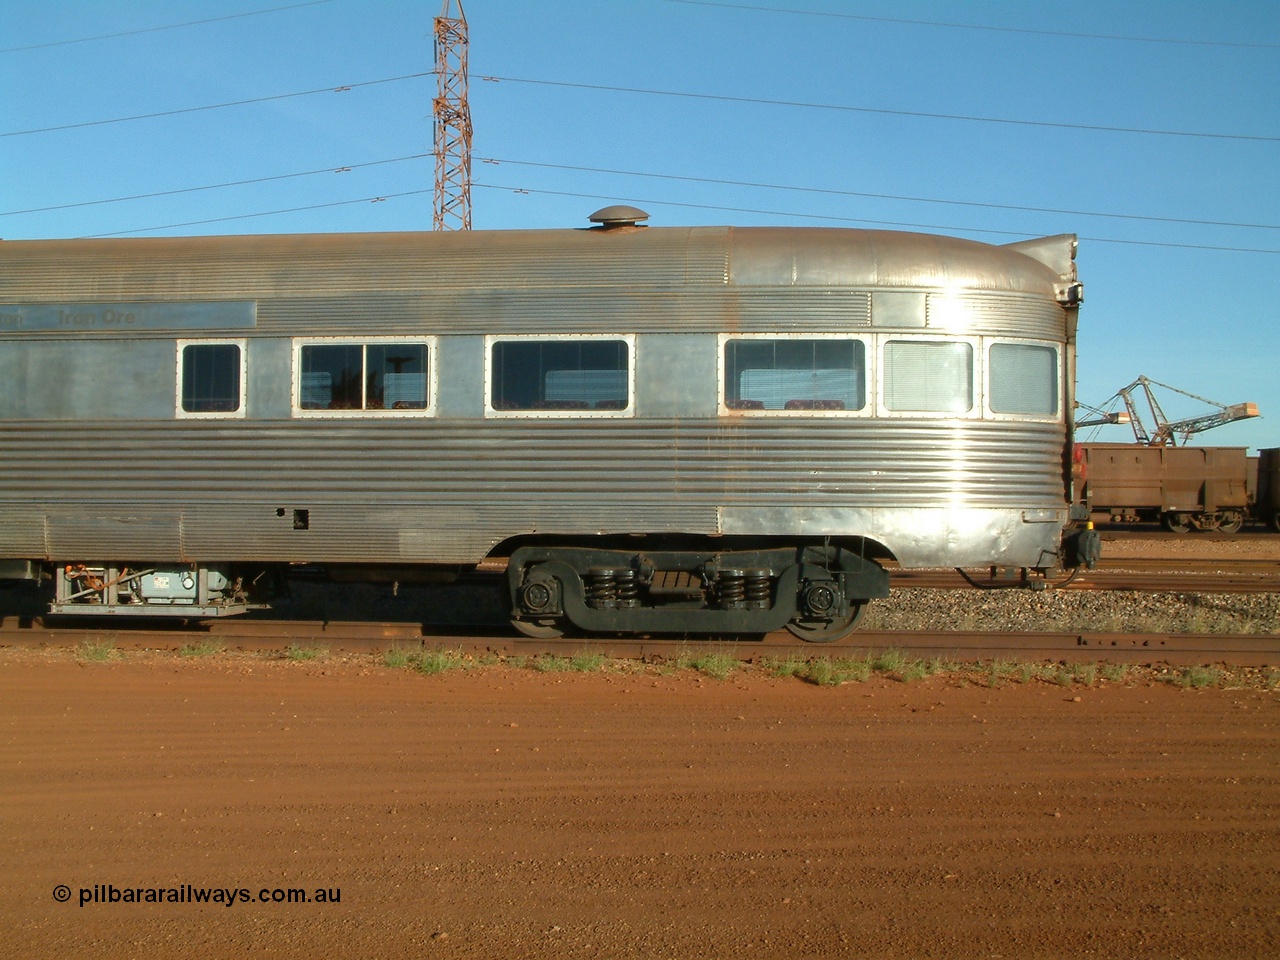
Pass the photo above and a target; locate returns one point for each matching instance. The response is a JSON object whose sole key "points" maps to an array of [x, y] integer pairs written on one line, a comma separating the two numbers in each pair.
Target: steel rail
{"points": [[265, 636]]}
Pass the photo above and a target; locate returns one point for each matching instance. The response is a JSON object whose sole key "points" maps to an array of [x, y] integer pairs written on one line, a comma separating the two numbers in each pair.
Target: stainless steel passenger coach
{"points": [[706, 429]]}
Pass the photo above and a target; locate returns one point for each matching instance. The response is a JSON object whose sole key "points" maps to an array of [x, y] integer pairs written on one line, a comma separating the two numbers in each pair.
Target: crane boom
{"points": [[1167, 432]]}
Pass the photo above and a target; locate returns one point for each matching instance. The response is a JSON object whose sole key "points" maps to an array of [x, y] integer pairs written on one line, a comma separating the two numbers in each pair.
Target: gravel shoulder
{"points": [[502, 812]]}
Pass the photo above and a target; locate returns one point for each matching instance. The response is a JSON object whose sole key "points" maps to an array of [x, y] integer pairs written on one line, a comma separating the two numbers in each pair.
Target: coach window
{"points": [[382, 378], [560, 377], [793, 375], [928, 376], [1024, 379], [211, 379]]}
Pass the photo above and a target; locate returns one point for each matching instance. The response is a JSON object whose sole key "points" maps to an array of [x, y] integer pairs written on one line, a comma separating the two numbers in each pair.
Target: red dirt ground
{"points": [[506, 813]]}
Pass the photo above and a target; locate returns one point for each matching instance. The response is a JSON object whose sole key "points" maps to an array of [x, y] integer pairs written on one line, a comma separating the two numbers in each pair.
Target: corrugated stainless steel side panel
{"points": [[455, 485], [650, 279], [1005, 316], [589, 311], [267, 267]]}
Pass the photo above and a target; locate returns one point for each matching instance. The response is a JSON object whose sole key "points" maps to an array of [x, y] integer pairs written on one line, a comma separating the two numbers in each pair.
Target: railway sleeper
{"points": [[818, 593]]}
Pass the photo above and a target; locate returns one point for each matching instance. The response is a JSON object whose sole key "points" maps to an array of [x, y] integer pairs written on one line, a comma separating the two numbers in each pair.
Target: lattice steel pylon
{"points": [[452, 116]]}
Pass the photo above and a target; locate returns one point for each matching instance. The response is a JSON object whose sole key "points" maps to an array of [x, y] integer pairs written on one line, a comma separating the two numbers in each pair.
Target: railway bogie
{"points": [[817, 592], [700, 430]]}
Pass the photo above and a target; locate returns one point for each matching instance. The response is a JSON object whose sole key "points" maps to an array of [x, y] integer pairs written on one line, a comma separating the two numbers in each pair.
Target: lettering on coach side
{"points": [[98, 318], [112, 317]]}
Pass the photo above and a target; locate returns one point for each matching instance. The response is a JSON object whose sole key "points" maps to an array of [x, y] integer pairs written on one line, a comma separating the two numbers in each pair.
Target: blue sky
{"points": [[858, 113]]}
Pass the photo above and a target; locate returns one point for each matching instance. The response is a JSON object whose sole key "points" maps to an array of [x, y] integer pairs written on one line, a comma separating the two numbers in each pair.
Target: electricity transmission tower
{"points": [[452, 123]]}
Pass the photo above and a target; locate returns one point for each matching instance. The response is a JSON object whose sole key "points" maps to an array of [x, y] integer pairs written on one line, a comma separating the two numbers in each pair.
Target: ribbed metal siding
{"points": [[463, 485], [545, 281]]}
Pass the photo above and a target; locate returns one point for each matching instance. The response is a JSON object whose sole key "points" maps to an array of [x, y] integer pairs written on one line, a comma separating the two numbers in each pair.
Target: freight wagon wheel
{"points": [[1231, 523], [1176, 522], [546, 629], [829, 630]]}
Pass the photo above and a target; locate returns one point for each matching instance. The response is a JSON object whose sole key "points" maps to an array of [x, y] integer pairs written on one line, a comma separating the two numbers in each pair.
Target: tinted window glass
{"points": [[355, 376], [925, 376], [794, 374], [211, 378], [559, 375], [396, 376], [1024, 379]]}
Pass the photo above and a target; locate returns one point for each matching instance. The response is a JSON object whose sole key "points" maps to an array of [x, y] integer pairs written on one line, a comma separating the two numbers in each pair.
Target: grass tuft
{"points": [[550, 663], [398, 657], [1115, 672], [717, 665], [97, 650], [438, 661], [586, 662], [825, 672], [204, 647], [1195, 677], [305, 651]]}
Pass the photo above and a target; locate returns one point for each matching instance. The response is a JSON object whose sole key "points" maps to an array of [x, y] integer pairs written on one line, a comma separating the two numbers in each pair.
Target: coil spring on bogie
{"points": [[627, 584], [602, 588], [757, 589], [733, 588]]}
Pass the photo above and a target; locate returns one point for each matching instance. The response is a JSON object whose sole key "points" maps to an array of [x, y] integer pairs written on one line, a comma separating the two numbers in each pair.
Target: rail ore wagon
{"points": [[702, 430], [1185, 488]]}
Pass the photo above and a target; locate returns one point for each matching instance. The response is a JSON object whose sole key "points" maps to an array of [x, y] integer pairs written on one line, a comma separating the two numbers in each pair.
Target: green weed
{"points": [[550, 663], [204, 647], [97, 650], [1195, 677], [717, 665], [397, 658], [438, 661]]}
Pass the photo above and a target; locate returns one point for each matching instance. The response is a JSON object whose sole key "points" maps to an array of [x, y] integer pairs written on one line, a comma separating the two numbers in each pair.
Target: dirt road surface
{"points": [[506, 813]]}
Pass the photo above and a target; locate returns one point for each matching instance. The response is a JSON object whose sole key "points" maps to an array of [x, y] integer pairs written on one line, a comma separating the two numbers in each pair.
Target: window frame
{"points": [[977, 408], [241, 410], [1056, 417], [432, 347], [868, 374], [627, 412]]}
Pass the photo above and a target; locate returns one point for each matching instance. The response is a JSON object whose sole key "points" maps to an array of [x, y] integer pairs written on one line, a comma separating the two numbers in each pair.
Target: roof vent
{"points": [[618, 216]]}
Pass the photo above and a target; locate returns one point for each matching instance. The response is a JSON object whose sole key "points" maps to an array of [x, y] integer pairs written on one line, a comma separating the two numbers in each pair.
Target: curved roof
{"points": [[629, 256], [883, 258]]}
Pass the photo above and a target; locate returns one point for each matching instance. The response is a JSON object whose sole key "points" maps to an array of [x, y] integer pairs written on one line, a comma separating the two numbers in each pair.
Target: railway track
{"points": [[1181, 575], [265, 636]]}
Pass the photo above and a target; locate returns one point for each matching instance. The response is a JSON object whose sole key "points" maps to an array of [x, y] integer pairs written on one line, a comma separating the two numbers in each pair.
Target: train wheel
{"points": [[545, 629], [1231, 523], [1176, 522], [813, 630]]}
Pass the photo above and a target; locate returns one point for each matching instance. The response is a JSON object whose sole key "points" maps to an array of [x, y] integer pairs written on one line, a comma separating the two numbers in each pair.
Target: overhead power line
{"points": [[170, 26], [878, 110], [680, 178], [951, 228], [976, 26], [381, 198], [345, 168], [882, 196], [342, 88], [217, 106]]}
